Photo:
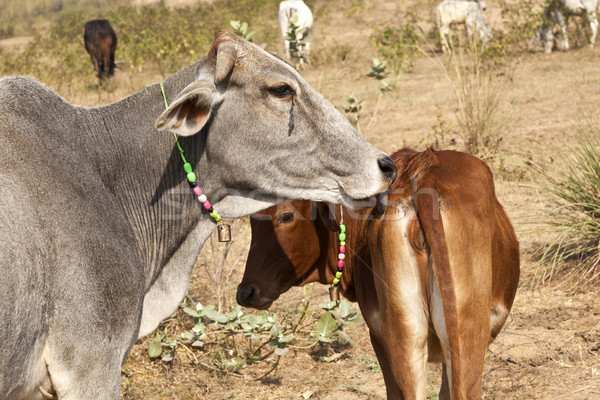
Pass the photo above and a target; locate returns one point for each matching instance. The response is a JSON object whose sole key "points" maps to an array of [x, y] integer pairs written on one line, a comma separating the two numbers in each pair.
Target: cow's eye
{"points": [[285, 217], [281, 91]]}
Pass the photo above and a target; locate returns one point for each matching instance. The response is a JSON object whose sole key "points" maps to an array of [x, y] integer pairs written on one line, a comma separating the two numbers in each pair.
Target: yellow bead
{"points": [[338, 274], [335, 281]]}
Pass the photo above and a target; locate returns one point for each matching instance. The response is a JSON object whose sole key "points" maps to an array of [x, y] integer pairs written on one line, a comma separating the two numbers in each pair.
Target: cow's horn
{"points": [[226, 57]]}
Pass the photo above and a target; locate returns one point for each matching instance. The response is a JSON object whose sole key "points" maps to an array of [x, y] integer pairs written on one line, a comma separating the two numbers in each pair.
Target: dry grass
{"points": [[573, 216]]}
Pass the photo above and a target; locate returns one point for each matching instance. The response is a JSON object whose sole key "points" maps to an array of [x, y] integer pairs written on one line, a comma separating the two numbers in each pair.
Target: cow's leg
{"points": [[101, 70], [286, 48], [593, 26], [393, 392], [472, 281], [444, 393], [562, 21], [402, 304], [444, 34], [546, 33], [77, 373], [111, 68], [94, 62], [107, 65], [470, 27], [93, 328], [306, 35]]}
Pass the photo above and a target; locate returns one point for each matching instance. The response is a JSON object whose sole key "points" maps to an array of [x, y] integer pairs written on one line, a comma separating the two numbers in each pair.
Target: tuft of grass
{"points": [[479, 114], [574, 217]]}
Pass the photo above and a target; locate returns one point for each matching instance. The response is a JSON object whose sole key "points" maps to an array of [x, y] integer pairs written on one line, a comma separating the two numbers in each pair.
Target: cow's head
{"points": [[271, 136], [289, 248]]}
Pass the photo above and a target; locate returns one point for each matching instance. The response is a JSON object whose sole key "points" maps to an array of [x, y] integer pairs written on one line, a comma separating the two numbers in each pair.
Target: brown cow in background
{"points": [[435, 275], [100, 42]]}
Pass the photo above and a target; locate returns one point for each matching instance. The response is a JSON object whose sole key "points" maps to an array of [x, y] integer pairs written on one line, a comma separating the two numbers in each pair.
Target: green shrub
{"points": [[399, 46], [573, 182]]}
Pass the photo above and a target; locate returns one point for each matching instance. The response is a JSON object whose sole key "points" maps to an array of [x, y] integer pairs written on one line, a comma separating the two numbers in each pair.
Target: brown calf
{"points": [[435, 275], [101, 42]]}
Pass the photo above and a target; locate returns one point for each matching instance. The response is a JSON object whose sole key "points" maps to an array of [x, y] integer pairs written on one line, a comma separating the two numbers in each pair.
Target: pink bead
{"points": [[342, 249], [341, 264], [207, 205], [197, 191]]}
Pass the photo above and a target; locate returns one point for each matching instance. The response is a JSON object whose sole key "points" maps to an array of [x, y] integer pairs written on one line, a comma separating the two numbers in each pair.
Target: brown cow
{"points": [[435, 275], [101, 42]]}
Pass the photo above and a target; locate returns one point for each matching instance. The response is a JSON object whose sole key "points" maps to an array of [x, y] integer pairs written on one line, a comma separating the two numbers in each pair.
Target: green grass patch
{"points": [[167, 39], [573, 183]]}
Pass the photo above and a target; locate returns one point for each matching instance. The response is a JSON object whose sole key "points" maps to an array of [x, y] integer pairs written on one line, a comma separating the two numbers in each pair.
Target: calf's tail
{"points": [[422, 169]]}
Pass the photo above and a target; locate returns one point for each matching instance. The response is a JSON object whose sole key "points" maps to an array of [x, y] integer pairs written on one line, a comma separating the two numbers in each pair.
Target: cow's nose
{"points": [[246, 296], [388, 167]]}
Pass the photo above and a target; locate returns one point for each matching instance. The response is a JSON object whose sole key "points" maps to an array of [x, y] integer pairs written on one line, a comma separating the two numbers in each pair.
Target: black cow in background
{"points": [[100, 42]]}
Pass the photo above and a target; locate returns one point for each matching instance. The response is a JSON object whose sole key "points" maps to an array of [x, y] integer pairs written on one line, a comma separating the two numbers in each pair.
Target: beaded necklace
{"points": [[334, 292], [224, 231]]}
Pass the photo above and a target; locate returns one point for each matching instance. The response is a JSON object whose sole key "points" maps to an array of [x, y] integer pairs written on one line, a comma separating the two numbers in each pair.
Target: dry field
{"points": [[550, 348]]}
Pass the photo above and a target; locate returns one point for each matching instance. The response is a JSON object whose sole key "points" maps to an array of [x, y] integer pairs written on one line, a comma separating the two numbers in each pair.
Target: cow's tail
{"points": [[422, 170]]}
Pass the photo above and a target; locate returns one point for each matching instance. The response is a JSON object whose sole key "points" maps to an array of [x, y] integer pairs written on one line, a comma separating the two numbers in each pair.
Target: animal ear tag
{"points": [[334, 293], [224, 232]]}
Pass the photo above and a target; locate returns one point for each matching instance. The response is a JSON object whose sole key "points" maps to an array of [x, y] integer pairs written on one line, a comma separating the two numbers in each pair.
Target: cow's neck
{"points": [[142, 168], [356, 246]]}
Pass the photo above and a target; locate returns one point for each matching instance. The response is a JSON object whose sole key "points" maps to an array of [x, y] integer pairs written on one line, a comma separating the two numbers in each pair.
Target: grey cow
{"points": [[557, 12], [98, 228]]}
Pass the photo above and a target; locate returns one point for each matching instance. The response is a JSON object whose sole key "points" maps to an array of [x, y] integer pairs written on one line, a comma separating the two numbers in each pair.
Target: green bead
{"points": [[335, 281], [191, 177], [343, 228], [338, 274], [342, 243], [342, 237], [216, 216], [187, 167]]}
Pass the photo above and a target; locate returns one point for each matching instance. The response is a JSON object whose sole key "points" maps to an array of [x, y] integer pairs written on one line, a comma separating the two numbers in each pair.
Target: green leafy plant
{"points": [[336, 316], [297, 42], [379, 73], [352, 108], [163, 347], [399, 46], [241, 29], [233, 341], [444, 134], [521, 19]]}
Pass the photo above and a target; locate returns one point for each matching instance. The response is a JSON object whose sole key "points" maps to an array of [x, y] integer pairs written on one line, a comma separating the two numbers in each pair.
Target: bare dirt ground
{"points": [[550, 348]]}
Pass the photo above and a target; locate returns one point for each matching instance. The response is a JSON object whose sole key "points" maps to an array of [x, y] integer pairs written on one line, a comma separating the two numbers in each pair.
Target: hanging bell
{"points": [[224, 232], [334, 293]]}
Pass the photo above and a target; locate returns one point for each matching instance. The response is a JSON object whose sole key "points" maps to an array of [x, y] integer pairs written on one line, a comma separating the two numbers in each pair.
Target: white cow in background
{"points": [[289, 8], [451, 12], [558, 11]]}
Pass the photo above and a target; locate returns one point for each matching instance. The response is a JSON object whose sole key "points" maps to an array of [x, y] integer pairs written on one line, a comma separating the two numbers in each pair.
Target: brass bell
{"points": [[224, 233], [334, 293]]}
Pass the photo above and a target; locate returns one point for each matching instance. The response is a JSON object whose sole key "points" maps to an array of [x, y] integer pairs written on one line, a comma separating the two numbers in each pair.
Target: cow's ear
{"points": [[190, 110], [327, 214]]}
